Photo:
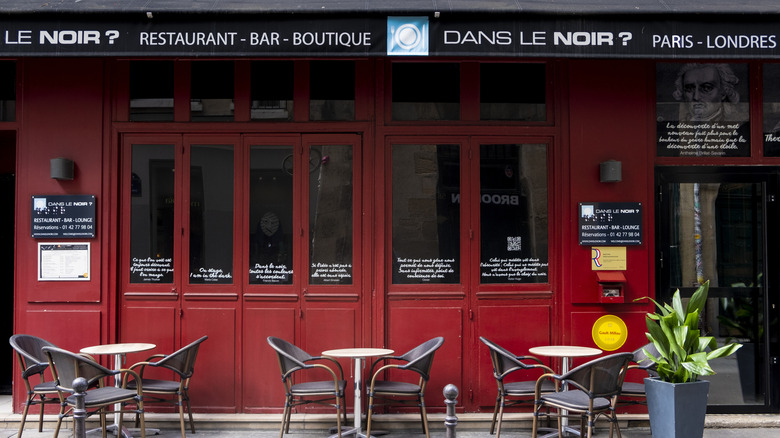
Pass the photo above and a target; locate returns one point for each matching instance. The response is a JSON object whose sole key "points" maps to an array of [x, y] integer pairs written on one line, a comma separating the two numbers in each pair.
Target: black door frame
{"points": [[770, 177]]}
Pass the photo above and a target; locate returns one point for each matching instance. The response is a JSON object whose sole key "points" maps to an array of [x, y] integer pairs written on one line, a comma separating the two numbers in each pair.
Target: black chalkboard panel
{"points": [[62, 216], [610, 223]]}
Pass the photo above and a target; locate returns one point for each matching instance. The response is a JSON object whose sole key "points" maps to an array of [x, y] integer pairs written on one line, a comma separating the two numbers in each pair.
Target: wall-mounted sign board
{"points": [[63, 261], [63, 216], [610, 223]]}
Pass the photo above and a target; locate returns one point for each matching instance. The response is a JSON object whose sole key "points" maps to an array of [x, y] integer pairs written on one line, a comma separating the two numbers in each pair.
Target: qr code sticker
{"points": [[513, 243]]}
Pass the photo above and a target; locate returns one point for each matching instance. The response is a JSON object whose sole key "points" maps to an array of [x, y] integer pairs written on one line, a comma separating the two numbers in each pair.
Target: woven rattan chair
{"points": [[295, 362], [514, 393], [418, 360], [593, 389], [67, 366], [634, 392], [171, 391], [32, 361]]}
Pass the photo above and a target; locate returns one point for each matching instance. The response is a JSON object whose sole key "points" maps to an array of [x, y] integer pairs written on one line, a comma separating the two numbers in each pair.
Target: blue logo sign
{"points": [[407, 36]]}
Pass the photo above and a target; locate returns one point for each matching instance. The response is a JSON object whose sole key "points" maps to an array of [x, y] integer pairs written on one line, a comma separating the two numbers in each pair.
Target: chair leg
{"points": [[30, 398], [424, 416], [140, 407], [181, 417], [495, 413], [368, 414], [500, 417], [338, 416], [284, 417], [102, 421], [60, 416], [189, 411]]}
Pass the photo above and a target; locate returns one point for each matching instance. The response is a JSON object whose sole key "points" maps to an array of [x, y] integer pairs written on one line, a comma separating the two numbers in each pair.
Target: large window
{"points": [[426, 213], [429, 208], [513, 213]]}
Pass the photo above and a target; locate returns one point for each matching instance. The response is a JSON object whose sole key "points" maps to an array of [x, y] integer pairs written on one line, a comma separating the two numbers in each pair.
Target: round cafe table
{"points": [[567, 353], [358, 354], [119, 351]]}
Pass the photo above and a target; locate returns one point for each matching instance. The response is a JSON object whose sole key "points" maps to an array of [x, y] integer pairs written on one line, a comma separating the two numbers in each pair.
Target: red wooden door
{"points": [[241, 238], [467, 253]]}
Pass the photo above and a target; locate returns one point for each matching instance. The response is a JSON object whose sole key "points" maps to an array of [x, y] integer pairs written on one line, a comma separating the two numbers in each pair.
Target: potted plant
{"points": [[677, 399]]}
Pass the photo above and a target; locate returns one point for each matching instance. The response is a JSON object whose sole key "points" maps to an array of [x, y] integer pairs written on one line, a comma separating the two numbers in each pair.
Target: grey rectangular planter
{"points": [[677, 410]]}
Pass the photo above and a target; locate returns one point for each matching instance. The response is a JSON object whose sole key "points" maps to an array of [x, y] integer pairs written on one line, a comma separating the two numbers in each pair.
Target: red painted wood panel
{"points": [[263, 390], [515, 327], [213, 387], [146, 322], [410, 326], [614, 129]]}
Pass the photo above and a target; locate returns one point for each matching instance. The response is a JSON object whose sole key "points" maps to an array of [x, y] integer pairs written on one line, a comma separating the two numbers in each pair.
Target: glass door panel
{"points": [[211, 214], [270, 214], [713, 227], [513, 213], [426, 213], [152, 187], [331, 214]]}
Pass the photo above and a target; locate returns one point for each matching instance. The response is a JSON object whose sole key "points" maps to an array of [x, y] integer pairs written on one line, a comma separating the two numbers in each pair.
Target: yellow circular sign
{"points": [[609, 332]]}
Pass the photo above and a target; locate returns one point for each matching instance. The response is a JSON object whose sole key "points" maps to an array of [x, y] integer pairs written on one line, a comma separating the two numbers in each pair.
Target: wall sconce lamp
{"points": [[61, 168], [611, 171]]}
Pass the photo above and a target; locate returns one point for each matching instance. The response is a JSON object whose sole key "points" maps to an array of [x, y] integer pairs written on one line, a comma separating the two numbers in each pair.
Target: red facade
{"points": [[77, 108]]}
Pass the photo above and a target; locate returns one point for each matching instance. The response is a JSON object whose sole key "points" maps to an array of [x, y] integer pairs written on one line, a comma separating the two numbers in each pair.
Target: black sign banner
{"points": [[610, 223], [63, 216], [334, 35]]}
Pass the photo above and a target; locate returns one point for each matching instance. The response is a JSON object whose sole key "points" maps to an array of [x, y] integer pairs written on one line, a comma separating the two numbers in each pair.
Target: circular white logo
{"points": [[408, 36]]}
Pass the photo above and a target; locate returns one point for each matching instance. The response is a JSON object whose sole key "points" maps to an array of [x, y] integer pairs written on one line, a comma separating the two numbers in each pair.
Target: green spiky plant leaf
{"points": [[683, 354]]}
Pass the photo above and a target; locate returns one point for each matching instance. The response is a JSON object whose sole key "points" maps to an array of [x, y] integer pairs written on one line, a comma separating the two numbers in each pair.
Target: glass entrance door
{"points": [[717, 225]]}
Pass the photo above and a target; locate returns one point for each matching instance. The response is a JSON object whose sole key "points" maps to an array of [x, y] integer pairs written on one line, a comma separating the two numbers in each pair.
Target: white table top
{"points": [[564, 351], [130, 347], [358, 352]]}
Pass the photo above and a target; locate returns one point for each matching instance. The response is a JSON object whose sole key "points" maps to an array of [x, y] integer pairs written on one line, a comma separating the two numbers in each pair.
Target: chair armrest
{"points": [[378, 372], [333, 360], [125, 372], [533, 358], [541, 379], [381, 359], [332, 373]]}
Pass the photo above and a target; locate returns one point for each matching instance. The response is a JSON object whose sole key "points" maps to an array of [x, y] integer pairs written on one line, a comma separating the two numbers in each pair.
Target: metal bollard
{"points": [[80, 411], [450, 420]]}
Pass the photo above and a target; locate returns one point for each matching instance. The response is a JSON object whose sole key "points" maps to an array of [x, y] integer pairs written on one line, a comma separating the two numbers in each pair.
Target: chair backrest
{"points": [[602, 377], [182, 361], [66, 366], [291, 358], [29, 350], [503, 360], [420, 358], [643, 361]]}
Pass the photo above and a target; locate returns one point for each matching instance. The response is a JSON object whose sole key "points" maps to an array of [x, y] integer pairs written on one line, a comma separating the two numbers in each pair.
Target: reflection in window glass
{"points": [[151, 214], [330, 214], [512, 92], [332, 90], [272, 90], [211, 214], [771, 110], [151, 91], [513, 213], [212, 91], [426, 213], [270, 215], [7, 91], [426, 91], [717, 234]]}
